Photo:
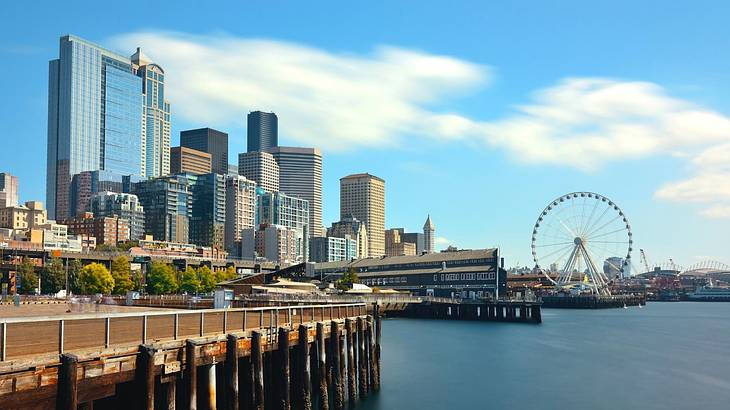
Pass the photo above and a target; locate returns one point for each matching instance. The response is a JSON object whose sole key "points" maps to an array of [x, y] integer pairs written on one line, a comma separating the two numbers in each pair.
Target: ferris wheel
{"points": [[577, 232]]}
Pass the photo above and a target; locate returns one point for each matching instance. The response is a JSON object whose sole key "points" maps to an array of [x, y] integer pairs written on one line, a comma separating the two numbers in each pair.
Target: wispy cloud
{"points": [[440, 240], [341, 101]]}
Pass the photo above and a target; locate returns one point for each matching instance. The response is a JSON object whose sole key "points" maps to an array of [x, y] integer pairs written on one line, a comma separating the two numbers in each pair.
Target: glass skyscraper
{"points": [[262, 131], [94, 117]]}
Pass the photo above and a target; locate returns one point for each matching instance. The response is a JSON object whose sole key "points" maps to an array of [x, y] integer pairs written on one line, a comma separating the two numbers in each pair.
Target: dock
{"points": [[593, 302], [257, 358], [517, 311]]}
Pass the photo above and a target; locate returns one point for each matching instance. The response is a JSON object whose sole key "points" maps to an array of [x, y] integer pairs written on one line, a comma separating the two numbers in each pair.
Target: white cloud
{"points": [[440, 240]]}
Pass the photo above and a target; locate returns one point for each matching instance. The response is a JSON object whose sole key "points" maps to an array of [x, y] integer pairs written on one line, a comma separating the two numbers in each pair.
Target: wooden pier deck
{"points": [[262, 358]]}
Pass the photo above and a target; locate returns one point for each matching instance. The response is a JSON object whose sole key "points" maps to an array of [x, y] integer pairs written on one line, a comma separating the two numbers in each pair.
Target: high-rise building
{"points": [[95, 108], [108, 230], [86, 184], [395, 246], [429, 236], [260, 167], [353, 228], [155, 119], [262, 130], [8, 190], [416, 238], [167, 203], [362, 196], [275, 243], [208, 140], [123, 205], [184, 159], [240, 210], [300, 175], [332, 249], [232, 169], [276, 208], [208, 213]]}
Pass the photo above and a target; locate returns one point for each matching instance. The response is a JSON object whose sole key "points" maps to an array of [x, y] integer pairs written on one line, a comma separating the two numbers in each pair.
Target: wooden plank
{"points": [[125, 331], [84, 334], [31, 339], [160, 328]]}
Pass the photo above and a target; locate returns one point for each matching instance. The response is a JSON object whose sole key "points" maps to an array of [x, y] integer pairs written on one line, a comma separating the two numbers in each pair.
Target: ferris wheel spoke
{"points": [[547, 256], [626, 242], [591, 234], [590, 238], [554, 244], [597, 221], [590, 217]]}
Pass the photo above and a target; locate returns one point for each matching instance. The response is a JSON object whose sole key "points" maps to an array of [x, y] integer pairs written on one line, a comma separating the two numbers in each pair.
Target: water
{"points": [[664, 356]]}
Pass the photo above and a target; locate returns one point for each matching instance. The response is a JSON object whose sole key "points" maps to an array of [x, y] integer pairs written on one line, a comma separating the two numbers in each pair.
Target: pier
{"points": [[489, 311], [301, 357], [593, 302]]}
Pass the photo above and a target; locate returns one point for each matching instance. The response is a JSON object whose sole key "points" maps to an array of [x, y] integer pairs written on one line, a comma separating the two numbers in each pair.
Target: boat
{"points": [[710, 293]]}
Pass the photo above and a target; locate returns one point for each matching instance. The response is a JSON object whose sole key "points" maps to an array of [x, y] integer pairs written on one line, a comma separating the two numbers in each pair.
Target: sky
{"points": [[477, 114]]}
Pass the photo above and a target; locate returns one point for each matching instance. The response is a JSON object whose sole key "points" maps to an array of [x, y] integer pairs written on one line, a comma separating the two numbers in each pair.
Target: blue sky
{"points": [[477, 114]]}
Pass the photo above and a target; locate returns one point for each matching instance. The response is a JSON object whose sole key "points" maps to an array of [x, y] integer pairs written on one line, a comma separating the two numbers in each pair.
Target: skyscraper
{"points": [[126, 206], [95, 110], [156, 117], [184, 159], [362, 196], [208, 209], [167, 205], [240, 210], [396, 246], [353, 228], [276, 208], [8, 190], [208, 140], [429, 236], [300, 175], [260, 167], [262, 130]]}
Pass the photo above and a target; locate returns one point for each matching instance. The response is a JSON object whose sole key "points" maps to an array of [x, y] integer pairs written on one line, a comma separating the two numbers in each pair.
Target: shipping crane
{"points": [[643, 260]]}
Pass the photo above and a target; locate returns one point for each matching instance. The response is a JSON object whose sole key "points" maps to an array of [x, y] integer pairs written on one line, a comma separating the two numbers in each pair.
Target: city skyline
{"points": [[659, 178]]}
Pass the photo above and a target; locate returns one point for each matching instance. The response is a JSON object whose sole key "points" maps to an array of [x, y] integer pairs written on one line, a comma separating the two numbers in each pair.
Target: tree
{"points": [[189, 281], [74, 269], [53, 276], [207, 279], [95, 278], [161, 279], [26, 276], [121, 272], [347, 279]]}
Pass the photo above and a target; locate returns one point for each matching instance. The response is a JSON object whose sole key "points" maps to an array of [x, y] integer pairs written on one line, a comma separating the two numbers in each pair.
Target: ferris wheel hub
{"points": [[578, 241]]}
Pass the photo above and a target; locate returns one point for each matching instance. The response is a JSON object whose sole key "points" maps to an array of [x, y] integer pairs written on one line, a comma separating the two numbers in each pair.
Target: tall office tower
{"points": [[167, 203], [240, 210], [8, 190], [429, 236], [94, 117], [362, 196], [300, 175], [208, 140], [125, 206], [156, 117], [208, 209], [353, 228], [260, 167], [263, 131], [276, 208], [184, 159]]}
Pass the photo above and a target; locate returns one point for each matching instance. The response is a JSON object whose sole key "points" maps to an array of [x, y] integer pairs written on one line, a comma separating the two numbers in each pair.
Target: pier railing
{"points": [[22, 337]]}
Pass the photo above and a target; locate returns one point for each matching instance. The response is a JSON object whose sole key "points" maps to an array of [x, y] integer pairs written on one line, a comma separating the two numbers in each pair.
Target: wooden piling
{"points": [[146, 375], [304, 390], [192, 375], [337, 384], [232, 372], [283, 400], [369, 352], [211, 393], [322, 368], [170, 395], [67, 397], [351, 378], [378, 323], [362, 359], [257, 358]]}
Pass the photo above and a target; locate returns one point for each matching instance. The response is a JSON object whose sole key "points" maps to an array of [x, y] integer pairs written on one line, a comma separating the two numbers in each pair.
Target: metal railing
{"points": [[42, 335]]}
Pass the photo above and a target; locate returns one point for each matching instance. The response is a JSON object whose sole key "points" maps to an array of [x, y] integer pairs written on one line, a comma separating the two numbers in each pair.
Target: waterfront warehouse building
{"points": [[211, 141], [184, 159], [260, 167], [300, 175], [262, 131], [466, 274], [362, 196]]}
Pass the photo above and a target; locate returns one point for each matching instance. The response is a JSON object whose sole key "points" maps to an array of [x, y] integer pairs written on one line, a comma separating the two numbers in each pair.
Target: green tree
{"points": [[347, 279], [27, 277], [189, 281], [95, 278], [121, 272], [161, 279], [207, 279], [74, 269], [53, 276]]}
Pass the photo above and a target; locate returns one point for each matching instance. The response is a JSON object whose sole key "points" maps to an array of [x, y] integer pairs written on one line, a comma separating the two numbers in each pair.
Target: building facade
{"points": [[240, 210], [184, 159], [300, 175], [262, 131], [362, 196], [276, 208], [108, 230], [155, 141], [208, 210], [332, 249], [353, 228], [395, 246], [95, 117], [208, 140], [8, 190], [416, 238], [260, 167], [429, 236], [167, 203], [86, 184], [123, 205]]}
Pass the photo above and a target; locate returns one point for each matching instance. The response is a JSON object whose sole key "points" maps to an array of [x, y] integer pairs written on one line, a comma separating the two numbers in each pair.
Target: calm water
{"points": [[664, 356]]}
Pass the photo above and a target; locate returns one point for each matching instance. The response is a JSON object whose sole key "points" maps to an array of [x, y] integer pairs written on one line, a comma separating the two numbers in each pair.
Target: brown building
{"points": [[394, 245], [184, 159], [362, 196], [108, 230]]}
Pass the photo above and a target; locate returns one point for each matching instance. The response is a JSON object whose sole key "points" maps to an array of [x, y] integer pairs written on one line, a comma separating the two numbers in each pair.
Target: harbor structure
{"points": [[362, 196]]}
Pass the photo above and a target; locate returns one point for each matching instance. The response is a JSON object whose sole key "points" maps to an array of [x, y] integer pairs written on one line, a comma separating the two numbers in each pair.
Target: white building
{"points": [[240, 210], [260, 167]]}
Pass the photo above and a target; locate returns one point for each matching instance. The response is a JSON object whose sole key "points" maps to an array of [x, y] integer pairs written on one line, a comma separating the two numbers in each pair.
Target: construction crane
{"points": [[643, 260]]}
